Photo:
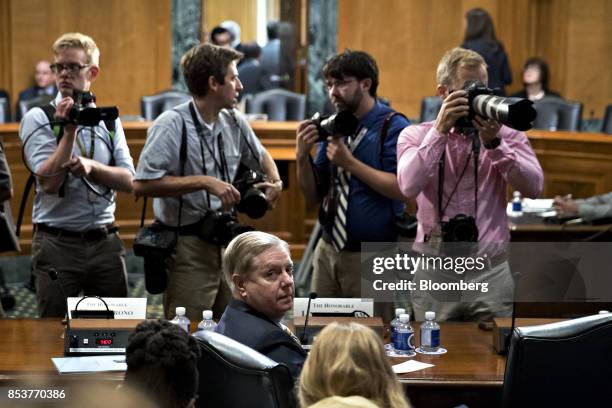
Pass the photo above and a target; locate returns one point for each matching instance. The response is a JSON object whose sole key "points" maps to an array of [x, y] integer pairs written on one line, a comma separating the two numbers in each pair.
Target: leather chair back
{"points": [[565, 364], [24, 106], [557, 114], [607, 122], [278, 104], [233, 375], [250, 73], [154, 105], [5, 113], [430, 106]]}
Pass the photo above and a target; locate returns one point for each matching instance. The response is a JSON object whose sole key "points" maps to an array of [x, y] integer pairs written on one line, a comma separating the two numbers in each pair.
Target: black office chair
{"points": [[607, 122], [565, 364], [557, 114], [430, 106], [250, 73], [24, 106], [233, 375], [5, 110], [154, 105], [278, 104]]}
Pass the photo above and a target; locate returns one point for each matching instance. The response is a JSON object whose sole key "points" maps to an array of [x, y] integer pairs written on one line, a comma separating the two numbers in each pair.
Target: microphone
{"points": [[313, 295], [55, 278]]}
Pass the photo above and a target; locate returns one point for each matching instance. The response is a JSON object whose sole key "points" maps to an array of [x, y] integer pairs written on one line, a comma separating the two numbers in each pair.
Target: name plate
{"points": [[334, 306], [124, 308]]}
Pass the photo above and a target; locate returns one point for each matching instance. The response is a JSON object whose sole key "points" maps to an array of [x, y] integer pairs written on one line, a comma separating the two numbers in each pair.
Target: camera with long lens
{"points": [[219, 227], [343, 123], [81, 114], [460, 228], [252, 199], [517, 113]]}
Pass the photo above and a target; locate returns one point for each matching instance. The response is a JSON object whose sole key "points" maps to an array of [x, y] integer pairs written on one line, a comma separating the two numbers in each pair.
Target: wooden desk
{"points": [[470, 372]]}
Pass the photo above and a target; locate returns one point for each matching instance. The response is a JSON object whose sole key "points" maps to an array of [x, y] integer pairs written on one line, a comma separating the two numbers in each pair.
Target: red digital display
{"points": [[104, 342]]}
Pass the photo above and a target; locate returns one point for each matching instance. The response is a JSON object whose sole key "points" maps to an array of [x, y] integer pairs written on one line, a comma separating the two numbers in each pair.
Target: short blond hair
{"points": [[239, 256], [80, 41], [452, 60], [349, 359]]}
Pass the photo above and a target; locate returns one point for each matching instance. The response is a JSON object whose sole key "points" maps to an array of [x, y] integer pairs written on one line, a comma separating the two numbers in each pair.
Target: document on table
{"points": [[90, 364], [410, 366]]}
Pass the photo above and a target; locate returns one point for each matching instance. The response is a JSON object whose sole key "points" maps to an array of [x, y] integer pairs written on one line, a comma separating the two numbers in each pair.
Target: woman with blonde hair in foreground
{"points": [[347, 367]]}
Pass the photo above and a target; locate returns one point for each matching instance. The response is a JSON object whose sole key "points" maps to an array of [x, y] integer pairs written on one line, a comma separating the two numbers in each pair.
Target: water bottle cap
{"points": [[516, 194], [404, 318], [399, 311], [207, 314], [430, 315], [180, 311]]}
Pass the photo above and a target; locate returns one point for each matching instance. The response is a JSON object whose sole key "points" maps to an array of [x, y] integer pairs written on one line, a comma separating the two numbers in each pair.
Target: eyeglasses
{"points": [[338, 84], [72, 68]]}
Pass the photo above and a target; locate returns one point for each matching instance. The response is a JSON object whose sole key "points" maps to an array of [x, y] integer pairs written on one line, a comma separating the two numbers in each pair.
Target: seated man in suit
{"points": [[44, 84], [259, 270]]}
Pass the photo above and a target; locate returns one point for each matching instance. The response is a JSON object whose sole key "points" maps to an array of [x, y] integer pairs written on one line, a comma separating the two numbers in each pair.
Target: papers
{"points": [[90, 364], [537, 205], [124, 308], [410, 366]]}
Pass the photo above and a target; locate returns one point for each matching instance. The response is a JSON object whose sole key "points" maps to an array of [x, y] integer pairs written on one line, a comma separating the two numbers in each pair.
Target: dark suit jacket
{"points": [[249, 327], [33, 92]]}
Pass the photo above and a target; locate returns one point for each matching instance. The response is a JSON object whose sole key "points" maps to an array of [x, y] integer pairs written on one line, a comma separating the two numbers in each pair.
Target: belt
{"points": [[88, 235]]}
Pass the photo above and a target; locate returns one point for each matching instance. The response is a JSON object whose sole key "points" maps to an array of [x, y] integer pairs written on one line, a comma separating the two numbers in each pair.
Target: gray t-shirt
{"points": [[160, 157], [79, 209]]}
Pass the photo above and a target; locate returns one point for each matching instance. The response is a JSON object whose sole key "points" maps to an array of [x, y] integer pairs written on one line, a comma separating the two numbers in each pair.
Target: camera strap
{"points": [[232, 113], [441, 168], [218, 163]]}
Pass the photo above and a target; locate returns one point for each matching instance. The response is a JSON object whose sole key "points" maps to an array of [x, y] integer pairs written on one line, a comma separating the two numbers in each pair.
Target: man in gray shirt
{"points": [[218, 140], [75, 247]]}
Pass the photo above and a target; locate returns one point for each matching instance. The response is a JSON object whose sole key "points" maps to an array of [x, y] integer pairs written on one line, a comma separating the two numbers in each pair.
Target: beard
{"points": [[350, 103]]}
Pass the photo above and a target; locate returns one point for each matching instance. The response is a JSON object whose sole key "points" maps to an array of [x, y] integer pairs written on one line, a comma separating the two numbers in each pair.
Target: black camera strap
{"points": [[200, 131], [232, 113], [441, 167], [183, 160]]}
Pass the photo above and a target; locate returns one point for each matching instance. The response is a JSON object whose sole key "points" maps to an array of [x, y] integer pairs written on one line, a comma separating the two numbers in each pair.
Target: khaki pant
{"points": [[94, 268], [195, 280]]}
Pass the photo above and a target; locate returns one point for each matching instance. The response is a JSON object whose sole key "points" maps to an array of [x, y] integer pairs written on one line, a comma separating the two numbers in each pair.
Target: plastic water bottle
{"points": [[404, 336], [517, 204], [181, 320], [430, 333], [399, 311], [207, 322]]}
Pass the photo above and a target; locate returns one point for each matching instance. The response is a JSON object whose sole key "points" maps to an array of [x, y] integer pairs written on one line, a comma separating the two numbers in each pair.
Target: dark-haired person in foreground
{"points": [[259, 269], [162, 363], [218, 140], [359, 171]]}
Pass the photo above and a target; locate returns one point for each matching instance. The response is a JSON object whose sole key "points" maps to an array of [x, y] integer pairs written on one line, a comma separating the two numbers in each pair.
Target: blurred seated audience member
{"points": [[258, 268], [347, 367], [162, 364], [44, 84], [535, 80], [270, 53], [234, 29], [4, 94], [221, 37], [249, 69], [480, 37], [592, 208]]}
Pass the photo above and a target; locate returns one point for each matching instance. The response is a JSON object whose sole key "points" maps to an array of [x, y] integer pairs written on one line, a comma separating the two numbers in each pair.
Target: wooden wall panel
{"points": [[408, 38], [134, 39], [244, 12]]}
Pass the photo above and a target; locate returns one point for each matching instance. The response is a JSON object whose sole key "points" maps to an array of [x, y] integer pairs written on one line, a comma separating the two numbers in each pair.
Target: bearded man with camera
{"points": [[461, 188], [194, 157], [353, 175], [79, 156]]}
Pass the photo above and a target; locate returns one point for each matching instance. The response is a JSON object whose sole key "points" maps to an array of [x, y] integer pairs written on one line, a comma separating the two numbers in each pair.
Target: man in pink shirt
{"points": [[429, 149]]}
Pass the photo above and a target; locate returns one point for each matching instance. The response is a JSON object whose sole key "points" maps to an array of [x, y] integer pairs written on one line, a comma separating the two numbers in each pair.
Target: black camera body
{"points": [[155, 244], [460, 228], [252, 199], [343, 123], [517, 113], [81, 114], [219, 228]]}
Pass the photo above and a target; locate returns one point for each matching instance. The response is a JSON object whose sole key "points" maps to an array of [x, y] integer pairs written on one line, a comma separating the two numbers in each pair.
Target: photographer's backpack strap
{"points": [[385, 129]]}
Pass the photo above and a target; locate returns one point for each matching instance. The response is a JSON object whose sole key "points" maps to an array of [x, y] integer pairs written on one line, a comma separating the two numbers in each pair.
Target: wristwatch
{"points": [[492, 144]]}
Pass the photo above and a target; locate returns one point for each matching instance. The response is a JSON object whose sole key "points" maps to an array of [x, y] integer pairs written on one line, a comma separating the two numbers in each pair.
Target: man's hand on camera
{"points": [[226, 192], [306, 136], [62, 111], [338, 153], [454, 106], [80, 166], [487, 128], [272, 190]]}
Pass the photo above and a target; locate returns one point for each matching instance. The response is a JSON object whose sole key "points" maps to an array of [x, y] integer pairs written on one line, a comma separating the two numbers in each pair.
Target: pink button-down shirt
{"points": [[419, 149]]}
